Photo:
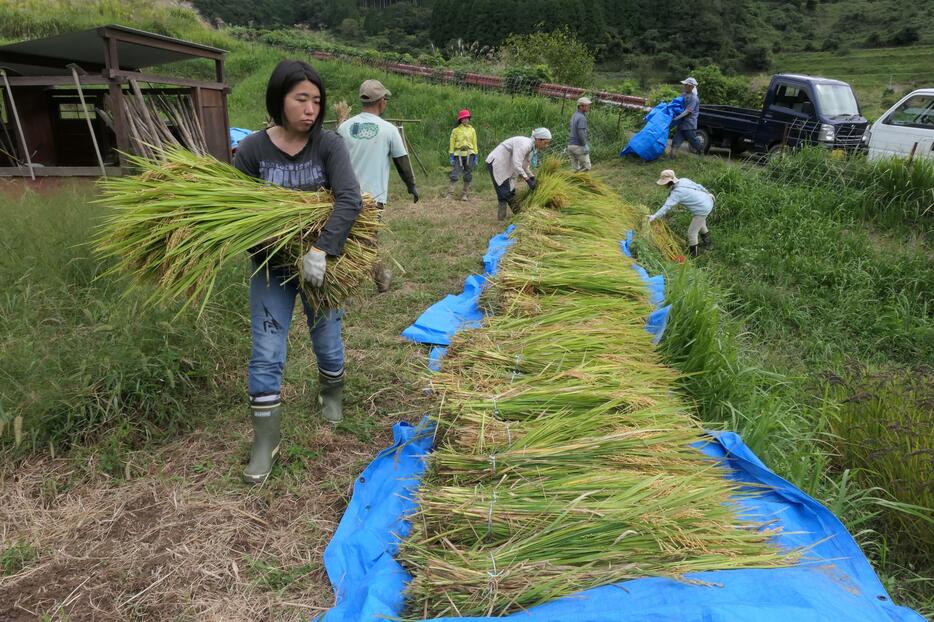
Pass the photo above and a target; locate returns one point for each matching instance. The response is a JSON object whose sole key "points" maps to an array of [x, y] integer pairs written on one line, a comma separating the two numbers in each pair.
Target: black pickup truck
{"points": [[798, 110]]}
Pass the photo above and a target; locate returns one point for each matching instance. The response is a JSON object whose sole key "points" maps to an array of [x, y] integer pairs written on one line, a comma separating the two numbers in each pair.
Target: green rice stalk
{"points": [[176, 224], [566, 460]]}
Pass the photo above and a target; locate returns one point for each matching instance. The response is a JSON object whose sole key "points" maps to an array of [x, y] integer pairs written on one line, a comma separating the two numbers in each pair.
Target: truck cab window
{"points": [[793, 98], [917, 111], [836, 100]]}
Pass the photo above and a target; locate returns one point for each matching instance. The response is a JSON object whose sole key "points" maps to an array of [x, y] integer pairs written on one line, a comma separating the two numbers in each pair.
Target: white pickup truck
{"points": [[906, 128]]}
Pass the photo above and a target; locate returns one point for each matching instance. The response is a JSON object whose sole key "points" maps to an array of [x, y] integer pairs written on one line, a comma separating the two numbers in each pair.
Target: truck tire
{"points": [[704, 136], [775, 151]]}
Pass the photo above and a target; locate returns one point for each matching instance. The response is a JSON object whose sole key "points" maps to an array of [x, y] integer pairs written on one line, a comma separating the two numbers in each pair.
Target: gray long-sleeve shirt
{"points": [[691, 195], [578, 129], [323, 163]]}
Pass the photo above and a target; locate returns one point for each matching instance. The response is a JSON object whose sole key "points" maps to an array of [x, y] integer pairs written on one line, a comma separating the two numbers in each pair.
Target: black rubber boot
{"points": [[450, 191], [693, 250], [501, 211], [266, 437], [466, 194], [706, 241], [331, 397]]}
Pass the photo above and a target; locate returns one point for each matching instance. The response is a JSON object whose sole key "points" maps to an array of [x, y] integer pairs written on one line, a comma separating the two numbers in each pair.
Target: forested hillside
{"points": [[739, 35]]}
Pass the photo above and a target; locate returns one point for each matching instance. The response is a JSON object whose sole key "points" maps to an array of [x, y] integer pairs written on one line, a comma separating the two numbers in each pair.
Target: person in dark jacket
{"points": [[295, 152]]}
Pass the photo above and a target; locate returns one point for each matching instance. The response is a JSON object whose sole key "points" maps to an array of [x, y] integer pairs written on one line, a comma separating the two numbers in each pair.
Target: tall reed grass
{"points": [[80, 360], [894, 192]]}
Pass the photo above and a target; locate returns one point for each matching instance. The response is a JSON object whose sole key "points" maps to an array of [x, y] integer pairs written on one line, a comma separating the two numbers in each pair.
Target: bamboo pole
{"points": [[19, 126], [87, 117]]}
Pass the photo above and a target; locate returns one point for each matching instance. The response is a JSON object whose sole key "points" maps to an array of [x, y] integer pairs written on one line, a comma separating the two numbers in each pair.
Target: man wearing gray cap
{"points": [[578, 145], [372, 142], [687, 120]]}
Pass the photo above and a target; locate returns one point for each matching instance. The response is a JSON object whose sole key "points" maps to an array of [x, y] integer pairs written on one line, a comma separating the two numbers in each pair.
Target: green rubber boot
{"points": [[331, 397], [266, 437]]}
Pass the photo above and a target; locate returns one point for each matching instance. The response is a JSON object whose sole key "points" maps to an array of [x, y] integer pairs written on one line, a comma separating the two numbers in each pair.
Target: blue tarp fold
{"points": [[441, 320], [649, 142]]}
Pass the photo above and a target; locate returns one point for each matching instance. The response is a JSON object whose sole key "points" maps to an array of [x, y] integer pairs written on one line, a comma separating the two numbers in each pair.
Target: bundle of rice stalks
{"points": [[666, 241], [566, 460], [176, 224]]}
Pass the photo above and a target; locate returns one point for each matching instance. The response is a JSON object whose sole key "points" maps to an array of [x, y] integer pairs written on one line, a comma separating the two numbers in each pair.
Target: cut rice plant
{"points": [[180, 220], [565, 458]]}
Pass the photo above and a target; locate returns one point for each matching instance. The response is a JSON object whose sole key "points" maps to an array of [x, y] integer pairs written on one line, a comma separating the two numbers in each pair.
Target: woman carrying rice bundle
{"points": [[295, 152]]}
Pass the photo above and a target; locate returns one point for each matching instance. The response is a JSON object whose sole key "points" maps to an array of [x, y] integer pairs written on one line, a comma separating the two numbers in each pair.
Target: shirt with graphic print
{"points": [[322, 164], [372, 141]]}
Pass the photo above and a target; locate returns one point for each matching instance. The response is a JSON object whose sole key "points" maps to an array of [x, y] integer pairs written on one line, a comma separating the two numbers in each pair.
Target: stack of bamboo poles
{"points": [[151, 118], [565, 461], [176, 224]]}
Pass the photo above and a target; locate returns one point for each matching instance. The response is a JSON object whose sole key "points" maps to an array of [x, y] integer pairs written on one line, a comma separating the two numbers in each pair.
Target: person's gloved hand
{"points": [[452, 159], [314, 265], [414, 192], [650, 217], [532, 182], [472, 160]]}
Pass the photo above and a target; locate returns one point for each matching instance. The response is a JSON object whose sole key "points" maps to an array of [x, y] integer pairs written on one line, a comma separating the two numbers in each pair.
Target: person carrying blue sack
{"points": [[463, 152], [686, 128], [697, 199]]}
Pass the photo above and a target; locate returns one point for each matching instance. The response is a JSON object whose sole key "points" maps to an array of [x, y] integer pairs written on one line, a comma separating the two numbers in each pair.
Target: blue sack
{"points": [[649, 143]]}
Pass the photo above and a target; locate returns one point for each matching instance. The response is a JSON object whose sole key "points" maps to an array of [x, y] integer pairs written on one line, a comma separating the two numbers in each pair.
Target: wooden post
{"points": [[114, 88], [785, 137]]}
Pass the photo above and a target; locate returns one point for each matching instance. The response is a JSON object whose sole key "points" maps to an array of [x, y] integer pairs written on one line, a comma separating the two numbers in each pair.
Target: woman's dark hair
{"points": [[284, 77]]}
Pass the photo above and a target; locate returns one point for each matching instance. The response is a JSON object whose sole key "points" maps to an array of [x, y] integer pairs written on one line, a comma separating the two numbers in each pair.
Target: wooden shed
{"points": [[69, 100]]}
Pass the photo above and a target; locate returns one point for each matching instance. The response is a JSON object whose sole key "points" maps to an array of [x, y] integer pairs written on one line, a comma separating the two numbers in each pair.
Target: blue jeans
{"points": [[271, 306], [682, 134]]}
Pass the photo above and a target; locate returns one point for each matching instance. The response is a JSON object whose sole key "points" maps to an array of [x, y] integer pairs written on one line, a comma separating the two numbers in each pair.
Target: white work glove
{"points": [[314, 265], [651, 217]]}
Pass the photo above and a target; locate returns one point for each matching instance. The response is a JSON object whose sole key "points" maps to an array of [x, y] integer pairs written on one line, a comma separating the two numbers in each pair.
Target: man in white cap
{"points": [[512, 159], [372, 142], [687, 120], [578, 142], [697, 199]]}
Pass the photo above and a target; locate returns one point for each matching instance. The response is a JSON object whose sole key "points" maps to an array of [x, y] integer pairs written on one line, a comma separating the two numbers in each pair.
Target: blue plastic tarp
{"points": [[835, 584], [237, 134], [441, 320], [657, 321], [649, 142]]}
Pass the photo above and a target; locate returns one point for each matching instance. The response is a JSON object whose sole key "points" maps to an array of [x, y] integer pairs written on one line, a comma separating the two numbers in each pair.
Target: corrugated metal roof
{"points": [[49, 56]]}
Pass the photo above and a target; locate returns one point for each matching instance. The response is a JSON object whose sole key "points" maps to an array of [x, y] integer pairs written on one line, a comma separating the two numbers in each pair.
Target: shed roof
{"points": [[136, 49]]}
